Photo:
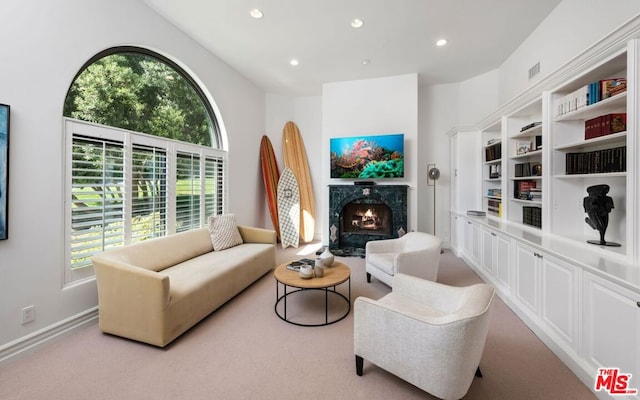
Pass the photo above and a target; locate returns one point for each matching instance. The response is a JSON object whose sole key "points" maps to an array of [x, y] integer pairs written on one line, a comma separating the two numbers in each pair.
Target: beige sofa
{"points": [[153, 291]]}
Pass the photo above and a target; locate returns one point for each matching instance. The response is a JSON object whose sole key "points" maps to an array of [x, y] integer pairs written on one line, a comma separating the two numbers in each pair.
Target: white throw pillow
{"points": [[224, 231]]}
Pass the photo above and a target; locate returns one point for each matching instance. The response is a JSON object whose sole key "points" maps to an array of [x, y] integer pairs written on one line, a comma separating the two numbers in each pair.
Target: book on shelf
{"points": [[493, 152], [537, 142], [493, 206], [476, 213], [495, 171], [535, 194], [532, 216], [605, 125], [494, 192], [522, 169], [597, 162], [522, 189], [590, 94], [612, 87], [529, 126]]}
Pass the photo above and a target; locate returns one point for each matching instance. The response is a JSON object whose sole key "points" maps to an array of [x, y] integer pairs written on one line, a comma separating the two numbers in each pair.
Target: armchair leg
{"points": [[368, 277], [478, 372], [359, 364]]}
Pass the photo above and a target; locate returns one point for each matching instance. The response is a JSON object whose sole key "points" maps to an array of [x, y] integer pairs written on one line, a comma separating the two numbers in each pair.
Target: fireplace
{"points": [[364, 218], [361, 213]]}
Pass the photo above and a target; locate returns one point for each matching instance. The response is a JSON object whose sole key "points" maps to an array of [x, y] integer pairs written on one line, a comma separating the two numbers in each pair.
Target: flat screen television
{"points": [[368, 156]]}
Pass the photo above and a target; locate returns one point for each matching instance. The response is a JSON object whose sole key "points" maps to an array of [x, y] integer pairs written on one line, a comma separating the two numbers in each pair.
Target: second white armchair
{"points": [[429, 334], [415, 253]]}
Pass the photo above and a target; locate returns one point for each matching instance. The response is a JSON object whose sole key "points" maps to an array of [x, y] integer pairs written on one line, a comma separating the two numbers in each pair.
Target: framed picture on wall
{"points": [[4, 170]]}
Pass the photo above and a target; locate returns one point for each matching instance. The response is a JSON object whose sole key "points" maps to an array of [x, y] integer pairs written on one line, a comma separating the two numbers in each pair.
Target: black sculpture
{"points": [[598, 205]]}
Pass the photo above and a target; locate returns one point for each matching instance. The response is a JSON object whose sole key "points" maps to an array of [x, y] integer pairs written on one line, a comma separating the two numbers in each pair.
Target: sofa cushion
{"points": [[224, 231], [383, 261], [163, 252]]}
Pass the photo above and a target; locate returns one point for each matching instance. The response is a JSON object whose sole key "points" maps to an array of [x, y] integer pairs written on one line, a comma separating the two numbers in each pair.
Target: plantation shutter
{"points": [[97, 198], [214, 186], [148, 192], [188, 191]]}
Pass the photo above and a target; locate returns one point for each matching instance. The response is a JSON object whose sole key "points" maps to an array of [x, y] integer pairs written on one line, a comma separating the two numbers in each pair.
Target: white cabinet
{"points": [[560, 286], [488, 255], [503, 261], [456, 234], [496, 254], [611, 326], [548, 289], [527, 278], [472, 242], [466, 177]]}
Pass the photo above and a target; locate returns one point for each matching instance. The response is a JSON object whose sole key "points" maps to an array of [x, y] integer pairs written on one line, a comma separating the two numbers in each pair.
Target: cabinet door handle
{"points": [[638, 303], [468, 222], [493, 234], [537, 255]]}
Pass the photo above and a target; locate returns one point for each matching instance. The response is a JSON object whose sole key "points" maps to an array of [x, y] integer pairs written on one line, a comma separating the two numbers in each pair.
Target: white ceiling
{"points": [[398, 37]]}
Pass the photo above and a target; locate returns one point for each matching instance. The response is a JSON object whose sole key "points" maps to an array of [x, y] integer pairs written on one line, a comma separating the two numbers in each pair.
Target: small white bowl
{"points": [[306, 271]]}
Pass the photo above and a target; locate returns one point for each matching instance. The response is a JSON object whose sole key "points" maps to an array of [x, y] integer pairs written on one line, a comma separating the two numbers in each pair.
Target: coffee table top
{"points": [[333, 275]]}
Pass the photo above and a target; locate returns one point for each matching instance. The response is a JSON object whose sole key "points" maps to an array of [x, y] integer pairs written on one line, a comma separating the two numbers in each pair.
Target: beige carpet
{"points": [[244, 351]]}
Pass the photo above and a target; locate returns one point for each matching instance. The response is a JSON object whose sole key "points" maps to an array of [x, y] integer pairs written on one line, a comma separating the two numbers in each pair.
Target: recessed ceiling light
{"points": [[255, 13], [357, 23], [366, 61], [441, 42], [294, 62]]}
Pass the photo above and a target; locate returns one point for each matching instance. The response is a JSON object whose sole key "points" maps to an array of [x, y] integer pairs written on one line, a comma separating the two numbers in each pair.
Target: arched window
{"points": [[143, 153]]}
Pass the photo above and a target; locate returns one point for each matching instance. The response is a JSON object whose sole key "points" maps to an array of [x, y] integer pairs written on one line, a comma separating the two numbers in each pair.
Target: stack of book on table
{"points": [[295, 265]]}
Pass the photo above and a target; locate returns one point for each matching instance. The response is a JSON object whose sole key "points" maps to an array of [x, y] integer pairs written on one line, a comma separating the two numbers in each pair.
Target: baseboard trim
{"points": [[30, 343]]}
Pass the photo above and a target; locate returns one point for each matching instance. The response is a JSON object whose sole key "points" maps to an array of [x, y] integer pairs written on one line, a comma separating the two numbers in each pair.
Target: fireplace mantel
{"points": [[348, 243]]}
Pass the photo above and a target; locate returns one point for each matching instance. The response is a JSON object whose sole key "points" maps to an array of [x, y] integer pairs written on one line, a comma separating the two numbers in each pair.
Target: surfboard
{"points": [[270, 176], [295, 158], [289, 209]]}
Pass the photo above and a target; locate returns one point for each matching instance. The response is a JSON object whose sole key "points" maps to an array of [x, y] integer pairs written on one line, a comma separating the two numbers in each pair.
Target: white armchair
{"points": [[429, 334], [415, 253]]}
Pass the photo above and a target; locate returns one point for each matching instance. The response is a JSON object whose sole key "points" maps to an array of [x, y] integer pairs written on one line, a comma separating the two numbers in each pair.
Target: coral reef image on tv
{"points": [[368, 157]]}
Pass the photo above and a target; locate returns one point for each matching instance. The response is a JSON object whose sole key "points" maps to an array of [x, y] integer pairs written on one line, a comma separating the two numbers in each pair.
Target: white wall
{"points": [[572, 27], [440, 108], [372, 106], [45, 45], [306, 112]]}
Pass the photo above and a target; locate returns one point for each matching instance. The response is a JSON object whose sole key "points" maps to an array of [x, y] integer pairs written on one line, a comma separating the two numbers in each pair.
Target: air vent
{"points": [[533, 71]]}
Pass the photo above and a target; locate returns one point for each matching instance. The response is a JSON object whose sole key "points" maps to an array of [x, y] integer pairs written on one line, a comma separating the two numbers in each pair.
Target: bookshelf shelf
{"points": [[493, 144], [614, 138], [522, 178], [528, 202], [582, 176], [493, 197], [493, 162], [531, 132], [606, 106], [534, 153]]}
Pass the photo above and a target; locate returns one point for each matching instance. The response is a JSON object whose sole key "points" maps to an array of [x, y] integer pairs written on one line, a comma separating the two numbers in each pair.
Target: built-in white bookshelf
{"points": [[579, 162], [492, 169], [524, 130]]}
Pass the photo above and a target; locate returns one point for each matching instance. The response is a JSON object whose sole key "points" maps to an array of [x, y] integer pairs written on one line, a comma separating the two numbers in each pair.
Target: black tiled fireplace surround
{"points": [[352, 244]]}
